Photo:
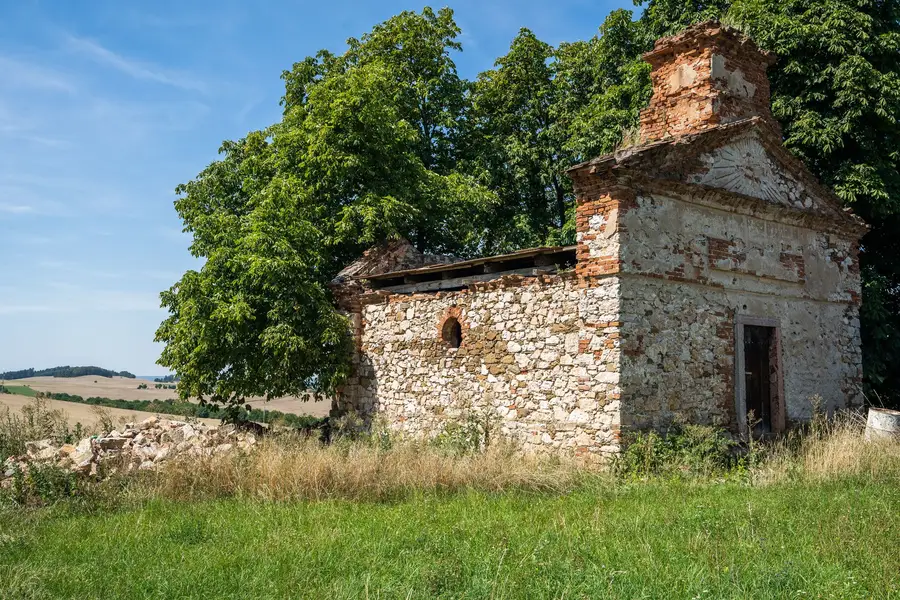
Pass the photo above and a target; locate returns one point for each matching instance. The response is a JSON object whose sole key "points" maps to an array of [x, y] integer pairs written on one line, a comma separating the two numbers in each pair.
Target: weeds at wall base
{"points": [[370, 463]]}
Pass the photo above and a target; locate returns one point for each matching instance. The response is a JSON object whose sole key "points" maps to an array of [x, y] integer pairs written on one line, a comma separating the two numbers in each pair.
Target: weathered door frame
{"points": [[740, 392]]}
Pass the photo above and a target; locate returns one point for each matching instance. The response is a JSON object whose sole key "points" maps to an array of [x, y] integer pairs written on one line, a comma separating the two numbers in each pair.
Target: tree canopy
{"points": [[387, 140]]}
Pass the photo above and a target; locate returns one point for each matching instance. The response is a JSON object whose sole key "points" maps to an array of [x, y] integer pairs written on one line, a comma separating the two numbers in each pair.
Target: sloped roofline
{"points": [[464, 264], [645, 158]]}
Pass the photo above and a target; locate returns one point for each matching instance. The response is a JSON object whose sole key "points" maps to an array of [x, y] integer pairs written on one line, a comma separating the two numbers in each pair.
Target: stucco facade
{"points": [[712, 275]]}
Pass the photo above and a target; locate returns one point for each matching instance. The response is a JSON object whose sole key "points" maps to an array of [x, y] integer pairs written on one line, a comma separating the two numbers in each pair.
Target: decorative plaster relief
{"points": [[745, 167]]}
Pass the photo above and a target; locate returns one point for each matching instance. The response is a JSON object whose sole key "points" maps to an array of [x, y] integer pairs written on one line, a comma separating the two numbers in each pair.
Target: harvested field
{"points": [[80, 413], [122, 388]]}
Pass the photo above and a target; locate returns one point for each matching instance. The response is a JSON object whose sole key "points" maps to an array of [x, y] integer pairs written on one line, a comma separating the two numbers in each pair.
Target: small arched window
{"points": [[451, 332]]}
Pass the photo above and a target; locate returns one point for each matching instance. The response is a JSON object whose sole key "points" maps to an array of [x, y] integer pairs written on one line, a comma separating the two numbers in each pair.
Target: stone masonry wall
{"points": [[540, 357], [641, 334], [687, 270], [677, 242]]}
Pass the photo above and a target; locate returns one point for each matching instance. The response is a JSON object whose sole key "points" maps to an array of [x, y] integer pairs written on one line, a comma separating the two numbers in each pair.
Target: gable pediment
{"points": [[745, 166], [743, 157], [739, 161], [746, 158]]}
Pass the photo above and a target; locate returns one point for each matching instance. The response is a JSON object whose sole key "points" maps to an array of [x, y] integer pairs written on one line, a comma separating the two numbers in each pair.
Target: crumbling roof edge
{"points": [[711, 29], [524, 253], [620, 156]]}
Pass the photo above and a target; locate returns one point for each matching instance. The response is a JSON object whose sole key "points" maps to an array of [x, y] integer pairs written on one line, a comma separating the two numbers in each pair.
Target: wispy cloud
{"points": [[23, 74], [76, 270], [248, 107], [55, 264], [133, 68], [140, 118], [31, 240], [16, 209], [66, 297], [39, 140], [19, 200]]}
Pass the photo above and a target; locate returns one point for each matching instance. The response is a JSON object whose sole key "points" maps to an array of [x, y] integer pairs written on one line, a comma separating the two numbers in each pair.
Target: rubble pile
{"points": [[139, 446]]}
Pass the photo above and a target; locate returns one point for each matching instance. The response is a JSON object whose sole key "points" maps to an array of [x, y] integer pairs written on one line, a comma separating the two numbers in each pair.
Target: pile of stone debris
{"points": [[139, 446]]}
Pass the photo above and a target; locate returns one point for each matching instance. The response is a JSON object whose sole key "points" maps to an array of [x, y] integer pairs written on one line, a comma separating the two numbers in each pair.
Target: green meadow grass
{"points": [[839, 539], [22, 390]]}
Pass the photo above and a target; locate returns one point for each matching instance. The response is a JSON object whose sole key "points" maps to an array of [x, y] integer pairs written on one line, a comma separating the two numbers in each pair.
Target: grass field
{"points": [[835, 539], [811, 516], [21, 390], [92, 385]]}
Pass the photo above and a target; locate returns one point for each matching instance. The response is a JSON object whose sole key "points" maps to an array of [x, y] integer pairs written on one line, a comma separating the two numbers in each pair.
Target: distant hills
{"points": [[66, 371]]}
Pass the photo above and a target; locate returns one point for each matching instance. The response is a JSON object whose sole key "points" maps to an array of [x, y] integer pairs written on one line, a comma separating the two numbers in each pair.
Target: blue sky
{"points": [[106, 106]]}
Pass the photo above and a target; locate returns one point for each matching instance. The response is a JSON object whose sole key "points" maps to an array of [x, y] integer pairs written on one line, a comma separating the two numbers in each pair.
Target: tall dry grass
{"points": [[290, 468], [377, 467], [830, 448]]}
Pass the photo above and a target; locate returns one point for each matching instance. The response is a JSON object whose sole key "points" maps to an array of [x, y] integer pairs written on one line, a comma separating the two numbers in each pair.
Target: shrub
{"points": [[37, 421], [470, 435], [103, 418], [39, 484], [682, 451]]}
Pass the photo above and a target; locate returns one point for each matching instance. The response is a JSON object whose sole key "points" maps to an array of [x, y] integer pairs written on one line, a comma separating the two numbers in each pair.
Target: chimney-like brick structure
{"points": [[706, 75]]}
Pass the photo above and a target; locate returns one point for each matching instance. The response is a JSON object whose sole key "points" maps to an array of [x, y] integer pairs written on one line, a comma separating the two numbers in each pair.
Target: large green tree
{"points": [[518, 143], [362, 154], [541, 109]]}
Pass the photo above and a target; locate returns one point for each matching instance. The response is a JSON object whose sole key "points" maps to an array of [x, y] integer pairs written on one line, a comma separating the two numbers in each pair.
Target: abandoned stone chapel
{"points": [[712, 277]]}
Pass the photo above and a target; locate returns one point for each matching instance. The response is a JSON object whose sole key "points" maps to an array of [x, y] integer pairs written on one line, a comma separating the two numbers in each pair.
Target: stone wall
{"points": [[688, 270], [539, 357], [679, 244], [641, 334]]}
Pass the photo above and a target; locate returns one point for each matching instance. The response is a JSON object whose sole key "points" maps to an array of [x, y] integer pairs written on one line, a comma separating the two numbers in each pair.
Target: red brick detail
{"points": [[690, 95], [453, 312], [794, 261], [720, 249], [599, 197], [725, 362]]}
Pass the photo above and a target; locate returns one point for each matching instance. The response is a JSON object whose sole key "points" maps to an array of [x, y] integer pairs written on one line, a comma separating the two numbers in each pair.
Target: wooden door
{"points": [[758, 375]]}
